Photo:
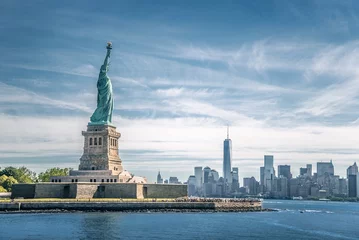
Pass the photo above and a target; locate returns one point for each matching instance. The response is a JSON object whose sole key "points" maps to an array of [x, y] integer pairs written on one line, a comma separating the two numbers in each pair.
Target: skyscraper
{"points": [[191, 185], [159, 178], [325, 167], [284, 170], [282, 187], [253, 186], [343, 186], [309, 170], [268, 172], [352, 185], [215, 175], [352, 175], [303, 171], [352, 170], [235, 179], [261, 177], [235, 174], [227, 159], [206, 173], [198, 174], [173, 180], [246, 181]]}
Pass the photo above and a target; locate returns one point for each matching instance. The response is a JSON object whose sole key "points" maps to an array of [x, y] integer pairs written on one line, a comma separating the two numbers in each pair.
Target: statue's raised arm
{"points": [[108, 55]]}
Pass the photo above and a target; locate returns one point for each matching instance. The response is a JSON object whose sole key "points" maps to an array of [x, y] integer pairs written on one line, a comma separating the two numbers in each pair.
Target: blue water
{"points": [[294, 220]]}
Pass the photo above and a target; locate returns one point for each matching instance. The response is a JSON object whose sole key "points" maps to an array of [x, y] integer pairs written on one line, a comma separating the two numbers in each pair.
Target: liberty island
{"points": [[101, 174]]}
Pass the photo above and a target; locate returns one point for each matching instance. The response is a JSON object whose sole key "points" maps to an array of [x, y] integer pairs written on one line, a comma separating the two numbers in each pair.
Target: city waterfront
{"points": [[294, 220]]}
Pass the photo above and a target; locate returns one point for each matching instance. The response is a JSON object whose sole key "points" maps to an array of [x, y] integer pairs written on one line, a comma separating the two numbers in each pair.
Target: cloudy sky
{"points": [[283, 74]]}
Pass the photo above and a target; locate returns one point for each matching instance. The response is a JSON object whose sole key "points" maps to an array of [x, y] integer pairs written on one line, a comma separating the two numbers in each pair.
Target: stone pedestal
{"points": [[101, 149]]}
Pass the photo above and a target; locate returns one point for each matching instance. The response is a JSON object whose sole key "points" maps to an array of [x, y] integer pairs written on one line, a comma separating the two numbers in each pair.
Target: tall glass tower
{"points": [[227, 159], [268, 172]]}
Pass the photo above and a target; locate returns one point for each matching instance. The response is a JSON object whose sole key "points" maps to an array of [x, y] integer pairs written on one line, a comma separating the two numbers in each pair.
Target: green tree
{"points": [[9, 182], [3, 179], [21, 174], [45, 176], [2, 189]]}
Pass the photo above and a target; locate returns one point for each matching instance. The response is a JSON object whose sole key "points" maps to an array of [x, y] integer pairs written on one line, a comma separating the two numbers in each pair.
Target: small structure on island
{"points": [[100, 174]]}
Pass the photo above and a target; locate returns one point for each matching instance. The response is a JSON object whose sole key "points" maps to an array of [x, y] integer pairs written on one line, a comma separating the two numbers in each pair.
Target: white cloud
{"points": [[342, 62], [12, 94], [191, 93], [332, 100], [86, 70], [185, 141], [260, 55]]}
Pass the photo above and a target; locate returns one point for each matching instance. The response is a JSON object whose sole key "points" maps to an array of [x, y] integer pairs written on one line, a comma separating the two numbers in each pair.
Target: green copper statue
{"points": [[103, 112]]}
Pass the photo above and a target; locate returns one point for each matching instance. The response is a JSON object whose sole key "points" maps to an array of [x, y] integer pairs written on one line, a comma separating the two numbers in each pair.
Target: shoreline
{"points": [[53, 211], [132, 206]]}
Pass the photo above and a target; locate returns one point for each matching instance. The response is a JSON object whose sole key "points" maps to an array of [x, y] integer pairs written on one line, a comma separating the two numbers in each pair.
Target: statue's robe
{"points": [[103, 112]]}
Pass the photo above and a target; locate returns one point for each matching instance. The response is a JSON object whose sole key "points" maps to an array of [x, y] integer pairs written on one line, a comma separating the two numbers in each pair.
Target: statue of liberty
{"points": [[103, 112]]}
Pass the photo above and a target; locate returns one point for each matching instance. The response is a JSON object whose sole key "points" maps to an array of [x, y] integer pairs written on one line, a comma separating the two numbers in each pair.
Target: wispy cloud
{"points": [[267, 54], [17, 95], [342, 62], [191, 93]]}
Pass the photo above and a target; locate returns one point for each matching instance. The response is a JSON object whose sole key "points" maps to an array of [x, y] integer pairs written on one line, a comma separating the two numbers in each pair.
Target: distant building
{"points": [[246, 182], [253, 186], [294, 187], [206, 174], [227, 159], [302, 171], [191, 185], [325, 167], [352, 170], [326, 179], [282, 187], [309, 170], [284, 170], [159, 178], [214, 175], [352, 173], [198, 173], [235, 179], [343, 187], [314, 191], [268, 173], [261, 179], [174, 180], [352, 185]]}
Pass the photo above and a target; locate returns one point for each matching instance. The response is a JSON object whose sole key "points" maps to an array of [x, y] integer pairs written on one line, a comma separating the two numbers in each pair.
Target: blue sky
{"points": [[282, 74]]}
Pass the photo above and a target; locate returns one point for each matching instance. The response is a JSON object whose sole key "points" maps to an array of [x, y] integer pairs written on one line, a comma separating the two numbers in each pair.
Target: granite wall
{"points": [[109, 190], [78, 190], [23, 190], [165, 190], [55, 190], [98, 190]]}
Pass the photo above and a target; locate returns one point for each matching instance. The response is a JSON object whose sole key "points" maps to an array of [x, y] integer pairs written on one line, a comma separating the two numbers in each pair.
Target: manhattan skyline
{"points": [[287, 87]]}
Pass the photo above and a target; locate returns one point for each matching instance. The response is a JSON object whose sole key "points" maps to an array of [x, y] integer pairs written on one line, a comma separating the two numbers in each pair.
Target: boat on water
{"points": [[298, 198]]}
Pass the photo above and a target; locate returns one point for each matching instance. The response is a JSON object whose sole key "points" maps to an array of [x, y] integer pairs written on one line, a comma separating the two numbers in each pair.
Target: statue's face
{"points": [[103, 68]]}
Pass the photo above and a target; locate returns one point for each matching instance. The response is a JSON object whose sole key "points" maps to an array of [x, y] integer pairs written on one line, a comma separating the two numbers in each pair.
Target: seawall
{"points": [[132, 206]]}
